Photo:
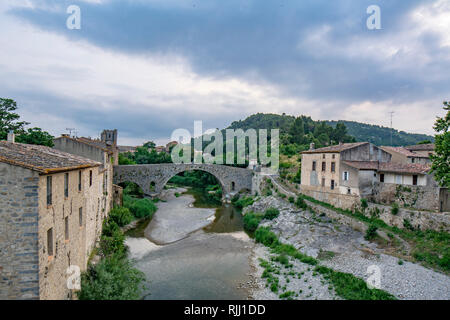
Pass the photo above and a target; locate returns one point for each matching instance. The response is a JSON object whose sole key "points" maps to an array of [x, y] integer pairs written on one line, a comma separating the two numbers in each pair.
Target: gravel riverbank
{"points": [[343, 249]]}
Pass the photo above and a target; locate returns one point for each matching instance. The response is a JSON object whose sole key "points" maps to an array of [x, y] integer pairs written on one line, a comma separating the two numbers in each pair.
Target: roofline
{"points": [[86, 143], [47, 170], [357, 144]]}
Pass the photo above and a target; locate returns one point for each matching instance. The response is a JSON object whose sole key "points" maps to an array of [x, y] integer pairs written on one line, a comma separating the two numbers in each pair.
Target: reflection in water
{"points": [[208, 264]]}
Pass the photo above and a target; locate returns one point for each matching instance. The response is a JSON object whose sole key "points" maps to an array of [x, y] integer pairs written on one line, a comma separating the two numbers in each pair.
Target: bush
{"points": [[142, 208], [112, 241], [291, 199], [271, 213], [266, 237], [371, 232], [113, 278], [364, 204], [244, 202], [394, 209], [121, 216], [300, 203], [251, 221]]}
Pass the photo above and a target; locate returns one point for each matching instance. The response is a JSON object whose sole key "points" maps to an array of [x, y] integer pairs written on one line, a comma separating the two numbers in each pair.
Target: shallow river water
{"points": [[193, 253]]}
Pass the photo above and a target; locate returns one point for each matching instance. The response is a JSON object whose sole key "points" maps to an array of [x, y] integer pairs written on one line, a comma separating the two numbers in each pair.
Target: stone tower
{"points": [[109, 137]]}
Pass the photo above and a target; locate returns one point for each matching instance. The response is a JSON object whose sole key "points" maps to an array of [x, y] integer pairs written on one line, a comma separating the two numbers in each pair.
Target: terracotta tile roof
{"points": [[421, 147], [363, 165], [404, 167], [94, 143], [390, 166], [42, 159], [336, 148], [403, 151]]}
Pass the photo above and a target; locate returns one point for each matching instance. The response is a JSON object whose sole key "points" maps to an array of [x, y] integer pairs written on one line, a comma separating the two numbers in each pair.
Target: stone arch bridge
{"points": [[153, 177]]}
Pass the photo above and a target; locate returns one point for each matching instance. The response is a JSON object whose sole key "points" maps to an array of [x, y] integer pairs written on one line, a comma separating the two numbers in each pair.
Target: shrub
{"points": [[407, 224], [113, 278], [394, 209], [266, 237], [300, 203], [271, 213], [121, 216], [364, 204], [244, 202], [371, 232], [291, 199], [251, 221], [142, 208], [112, 241]]}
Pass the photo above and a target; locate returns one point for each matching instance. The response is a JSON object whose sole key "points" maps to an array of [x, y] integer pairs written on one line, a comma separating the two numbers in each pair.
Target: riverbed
{"points": [[193, 253]]}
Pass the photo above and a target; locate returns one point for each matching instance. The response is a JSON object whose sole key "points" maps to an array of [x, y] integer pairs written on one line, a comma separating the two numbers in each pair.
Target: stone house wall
{"points": [[75, 250], [19, 273]]}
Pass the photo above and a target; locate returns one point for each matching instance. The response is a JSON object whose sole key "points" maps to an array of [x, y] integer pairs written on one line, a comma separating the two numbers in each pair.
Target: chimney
{"points": [[312, 146], [11, 136]]}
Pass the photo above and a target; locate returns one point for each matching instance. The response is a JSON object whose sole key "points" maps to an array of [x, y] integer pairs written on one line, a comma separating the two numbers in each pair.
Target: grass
{"points": [[345, 285]]}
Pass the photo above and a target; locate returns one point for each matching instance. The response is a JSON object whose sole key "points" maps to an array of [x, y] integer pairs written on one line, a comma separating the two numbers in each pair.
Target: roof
{"points": [[363, 165], [421, 147], [42, 159], [390, 166], [403, 151], [404, 167], [336, 148], [126, 148], [93, 143]]}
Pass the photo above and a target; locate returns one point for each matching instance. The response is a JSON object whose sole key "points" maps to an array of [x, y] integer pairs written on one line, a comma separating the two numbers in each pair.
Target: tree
{"points": [[9, 120], [297, 131], [36, 136], [441, 159], [149, 145]]}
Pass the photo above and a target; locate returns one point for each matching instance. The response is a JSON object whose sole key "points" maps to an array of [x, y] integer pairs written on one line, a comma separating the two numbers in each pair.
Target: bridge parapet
{"points": [[153, 177]]}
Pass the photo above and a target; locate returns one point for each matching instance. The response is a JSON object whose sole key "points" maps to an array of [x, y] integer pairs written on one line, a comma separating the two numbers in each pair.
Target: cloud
{"points": [[147, 67]]}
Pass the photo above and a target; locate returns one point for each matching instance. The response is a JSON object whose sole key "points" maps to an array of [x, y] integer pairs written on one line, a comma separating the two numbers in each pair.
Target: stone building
{"points": [[404, 155], [343, 174], [52, 205], [104, 151]]}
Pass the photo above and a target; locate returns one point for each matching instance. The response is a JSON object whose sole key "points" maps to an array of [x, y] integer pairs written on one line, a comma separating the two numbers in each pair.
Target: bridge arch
{"points": [[153, 177]]}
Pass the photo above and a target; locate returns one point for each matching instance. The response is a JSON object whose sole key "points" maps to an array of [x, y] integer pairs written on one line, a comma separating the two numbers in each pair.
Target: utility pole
{"points": [[391, 113], [70, 131]]}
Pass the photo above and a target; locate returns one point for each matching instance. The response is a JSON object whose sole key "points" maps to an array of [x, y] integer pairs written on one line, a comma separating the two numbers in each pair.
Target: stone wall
{"points": [[19, 273], [419, 197], [343, 201], [423, 220], [158, 175]]}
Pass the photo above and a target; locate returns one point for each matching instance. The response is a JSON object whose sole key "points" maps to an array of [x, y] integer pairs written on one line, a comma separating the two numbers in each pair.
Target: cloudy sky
{"points": [[147, 67]]}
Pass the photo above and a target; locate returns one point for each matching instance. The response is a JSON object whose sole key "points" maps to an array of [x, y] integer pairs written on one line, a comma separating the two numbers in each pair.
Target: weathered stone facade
{"points": [[19, 216], [153, 177]]}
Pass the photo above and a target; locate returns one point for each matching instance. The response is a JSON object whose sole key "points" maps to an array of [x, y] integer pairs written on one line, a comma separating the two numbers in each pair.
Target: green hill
{"points": [[377, 135], [381, 136]]}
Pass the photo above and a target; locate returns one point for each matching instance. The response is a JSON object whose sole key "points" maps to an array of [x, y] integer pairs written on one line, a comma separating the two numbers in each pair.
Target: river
{"points": [[193, 252]]}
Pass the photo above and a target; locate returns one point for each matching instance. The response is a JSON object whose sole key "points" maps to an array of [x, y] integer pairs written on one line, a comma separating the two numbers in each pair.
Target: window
{"points": [[323, 182], [345, 176], [232, 186], [314, 166], [333, 156], [323, 156], [66, 228], [79, 181], [90, 177], [49, 190], [349, 191], [80, 216], [414, 180], [324, 166], [66, 185], [332, 184], [412, 160], [381, 177], [50, 242], [333, 167]]}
